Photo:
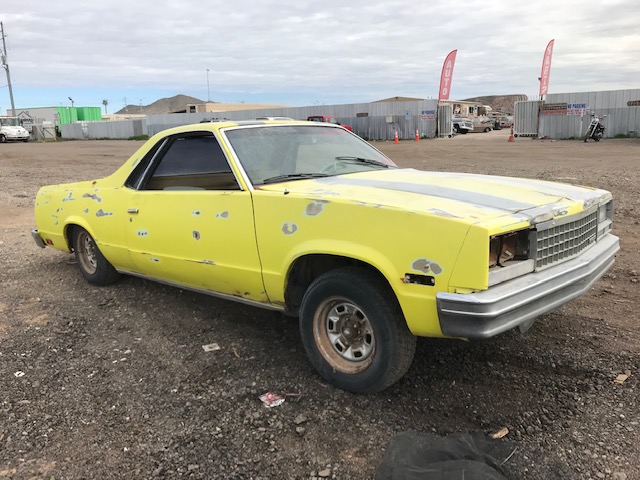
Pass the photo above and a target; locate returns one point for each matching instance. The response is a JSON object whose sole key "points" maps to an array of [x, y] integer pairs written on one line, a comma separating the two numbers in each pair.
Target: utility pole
{"points": [[3, 57], [208, 91]]}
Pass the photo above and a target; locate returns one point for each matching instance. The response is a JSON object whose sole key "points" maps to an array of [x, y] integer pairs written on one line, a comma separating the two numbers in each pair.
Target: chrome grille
{"points": [[561, 242]]}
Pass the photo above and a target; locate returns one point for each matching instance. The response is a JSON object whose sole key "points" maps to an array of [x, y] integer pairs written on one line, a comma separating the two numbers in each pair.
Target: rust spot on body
{"points": [[196, 234], [196, 213]]}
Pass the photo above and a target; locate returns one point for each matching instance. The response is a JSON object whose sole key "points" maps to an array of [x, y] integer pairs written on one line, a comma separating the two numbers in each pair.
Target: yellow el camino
{"points": [[309, 219]]}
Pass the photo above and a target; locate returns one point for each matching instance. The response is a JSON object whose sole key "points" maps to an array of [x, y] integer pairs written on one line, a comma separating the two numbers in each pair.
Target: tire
{"points": [[456, 129], [354, 332], [94, 267], [3, 139]]}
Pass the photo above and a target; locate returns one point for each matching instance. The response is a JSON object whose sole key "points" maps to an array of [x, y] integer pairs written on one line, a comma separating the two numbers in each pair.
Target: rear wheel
{"points": [[93, 266], [3, 139], [354, 332]]}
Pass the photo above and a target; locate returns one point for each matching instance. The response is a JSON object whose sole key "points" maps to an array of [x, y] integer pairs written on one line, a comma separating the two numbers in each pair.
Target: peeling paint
{"points": [[86, 210], [427, 266], [207, 262], [68, 198], [442, 213], [92, 196], [315, 207], [196, 213], [289, 228], [224, 214], [154, 259], [196, 235], [142, 233], [102, 213]]}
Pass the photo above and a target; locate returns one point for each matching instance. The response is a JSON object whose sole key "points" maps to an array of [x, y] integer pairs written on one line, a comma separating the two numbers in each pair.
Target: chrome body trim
{"points": [[224, 296], [515, 302]]}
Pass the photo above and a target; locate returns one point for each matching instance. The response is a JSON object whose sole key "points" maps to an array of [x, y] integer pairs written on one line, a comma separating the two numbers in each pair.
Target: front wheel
{"points": [[93, 266], [354, 332], [3, 139]]}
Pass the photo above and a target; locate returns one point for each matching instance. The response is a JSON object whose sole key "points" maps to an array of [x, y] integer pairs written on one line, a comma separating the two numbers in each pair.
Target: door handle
{"points": [[132, 210]]}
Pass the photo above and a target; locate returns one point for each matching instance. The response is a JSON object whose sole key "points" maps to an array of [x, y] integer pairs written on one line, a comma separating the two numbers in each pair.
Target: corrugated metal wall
{"points": [[525, 118], [621, 117], [372, 121], [118, 129]]}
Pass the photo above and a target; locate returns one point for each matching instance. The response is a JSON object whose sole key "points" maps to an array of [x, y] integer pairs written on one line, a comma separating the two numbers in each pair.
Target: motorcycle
{"points": [[595, 130]]}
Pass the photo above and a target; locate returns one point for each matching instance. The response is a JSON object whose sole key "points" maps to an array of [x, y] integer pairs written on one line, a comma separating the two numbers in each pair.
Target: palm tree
{"points": [[105, 102]]}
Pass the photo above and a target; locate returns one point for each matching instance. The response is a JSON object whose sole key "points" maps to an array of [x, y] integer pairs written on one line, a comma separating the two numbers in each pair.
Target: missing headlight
{"points": [[511, 246]]}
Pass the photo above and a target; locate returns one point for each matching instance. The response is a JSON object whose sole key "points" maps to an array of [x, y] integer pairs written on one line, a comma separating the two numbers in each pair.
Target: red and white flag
{"points": [[546, 69], [447, 75]]}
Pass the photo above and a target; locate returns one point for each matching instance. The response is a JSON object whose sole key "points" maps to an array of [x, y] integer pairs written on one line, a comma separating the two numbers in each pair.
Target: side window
{"points": [[192, 163]]}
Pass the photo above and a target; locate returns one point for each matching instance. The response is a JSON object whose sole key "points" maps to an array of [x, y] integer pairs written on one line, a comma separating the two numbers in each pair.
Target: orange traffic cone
{"points": [[511, 138], [395, 137], [417, 135]]}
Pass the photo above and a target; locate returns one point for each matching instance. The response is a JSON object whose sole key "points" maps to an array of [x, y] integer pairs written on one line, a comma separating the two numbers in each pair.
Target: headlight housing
{"points": [[509, 256]]}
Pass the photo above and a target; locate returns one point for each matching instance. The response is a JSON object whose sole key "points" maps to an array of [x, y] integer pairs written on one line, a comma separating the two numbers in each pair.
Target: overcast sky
{"points": [[310, 52]]}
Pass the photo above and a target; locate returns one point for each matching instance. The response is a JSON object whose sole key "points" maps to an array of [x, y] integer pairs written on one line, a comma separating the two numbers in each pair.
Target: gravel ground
{"points": [[113, 382]]}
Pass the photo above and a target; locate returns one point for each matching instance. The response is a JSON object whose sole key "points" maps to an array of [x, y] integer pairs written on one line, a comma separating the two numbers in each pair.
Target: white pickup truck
{"points": [[462, 125], [11, 130]]}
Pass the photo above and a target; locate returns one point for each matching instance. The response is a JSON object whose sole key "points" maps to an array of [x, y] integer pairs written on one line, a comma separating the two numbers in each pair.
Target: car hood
{"points": [[467, 197]]}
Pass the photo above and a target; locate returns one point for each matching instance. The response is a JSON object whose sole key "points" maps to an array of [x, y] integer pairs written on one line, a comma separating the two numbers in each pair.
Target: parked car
{"points": [[328, 119], [506, 121], [311, 220]]}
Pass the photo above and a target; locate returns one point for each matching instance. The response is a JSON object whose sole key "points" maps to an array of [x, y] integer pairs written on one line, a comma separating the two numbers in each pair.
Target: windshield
{"points": [[9, 122], [285, 153]]}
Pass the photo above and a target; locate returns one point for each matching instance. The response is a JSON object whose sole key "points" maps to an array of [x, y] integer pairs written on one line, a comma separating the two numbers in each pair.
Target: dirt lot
{"points": [[115, 382]]}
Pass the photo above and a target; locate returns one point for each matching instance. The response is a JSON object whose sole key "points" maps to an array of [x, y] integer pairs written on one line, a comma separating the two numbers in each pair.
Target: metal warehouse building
{"points": [[564, 115]]}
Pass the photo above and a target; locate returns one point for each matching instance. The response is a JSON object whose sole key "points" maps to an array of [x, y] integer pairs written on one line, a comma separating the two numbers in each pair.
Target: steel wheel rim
{"points": [[87, 254], [344, 335]]}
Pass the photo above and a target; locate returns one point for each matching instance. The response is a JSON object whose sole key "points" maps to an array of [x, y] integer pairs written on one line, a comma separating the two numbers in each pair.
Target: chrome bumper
{"points": [[37, 238], [517, 302]]}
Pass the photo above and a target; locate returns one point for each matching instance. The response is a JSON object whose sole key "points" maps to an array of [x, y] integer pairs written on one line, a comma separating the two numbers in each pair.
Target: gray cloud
{"points": [[338, 51]]}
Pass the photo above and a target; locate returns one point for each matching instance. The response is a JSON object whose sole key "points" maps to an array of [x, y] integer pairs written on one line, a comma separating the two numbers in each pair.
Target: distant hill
{"points": [[164, 105], [499, 103]]}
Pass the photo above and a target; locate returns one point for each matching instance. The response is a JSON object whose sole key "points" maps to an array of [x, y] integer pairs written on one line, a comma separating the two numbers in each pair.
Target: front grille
{"points": [[561, 242]]}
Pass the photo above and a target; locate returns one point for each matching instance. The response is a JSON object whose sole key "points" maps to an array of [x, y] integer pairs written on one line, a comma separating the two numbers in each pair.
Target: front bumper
{"points": [[517, 302]]}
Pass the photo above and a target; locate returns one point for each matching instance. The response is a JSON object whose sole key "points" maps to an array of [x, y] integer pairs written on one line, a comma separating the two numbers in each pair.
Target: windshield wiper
{"points": [[293, 176], [368, 161]]}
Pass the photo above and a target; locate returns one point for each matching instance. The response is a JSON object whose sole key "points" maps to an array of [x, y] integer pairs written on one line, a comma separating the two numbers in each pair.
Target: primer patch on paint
{"points": [[427, 266], [315, 207], [92, 196], [289, 228], [224, 214], [102, 213]]}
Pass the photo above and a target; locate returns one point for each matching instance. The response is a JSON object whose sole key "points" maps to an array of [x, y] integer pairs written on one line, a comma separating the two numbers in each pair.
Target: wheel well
{"points": [[68, 235], [306, 269]]}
